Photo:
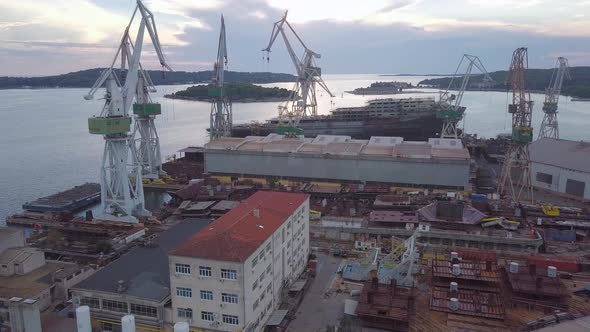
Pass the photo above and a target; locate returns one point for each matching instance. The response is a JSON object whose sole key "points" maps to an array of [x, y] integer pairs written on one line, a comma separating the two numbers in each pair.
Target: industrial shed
{"points": [[561, 166], [438, 163]]}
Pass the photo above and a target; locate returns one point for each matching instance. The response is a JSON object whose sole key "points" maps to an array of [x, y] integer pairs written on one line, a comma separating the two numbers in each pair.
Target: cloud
{"points": [[353, 37]]}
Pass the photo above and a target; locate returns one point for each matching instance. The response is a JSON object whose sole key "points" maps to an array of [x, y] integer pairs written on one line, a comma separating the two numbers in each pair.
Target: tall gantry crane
{"points": [[221, 108], [302, 102], [549, 126], [515, 179], [147, 142], [451, 110], [122, 196]]}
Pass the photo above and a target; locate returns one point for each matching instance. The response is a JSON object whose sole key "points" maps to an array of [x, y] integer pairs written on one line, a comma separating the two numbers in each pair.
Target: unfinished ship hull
{"points": [[418, 129], [411, 118]]}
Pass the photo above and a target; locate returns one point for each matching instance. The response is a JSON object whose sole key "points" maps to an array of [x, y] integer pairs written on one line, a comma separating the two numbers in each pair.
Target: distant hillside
{"points": [[86, 78], [238, 92], [537, 80]]}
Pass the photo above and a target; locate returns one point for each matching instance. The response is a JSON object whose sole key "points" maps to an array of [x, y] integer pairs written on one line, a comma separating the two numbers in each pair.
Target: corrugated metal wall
{"points": [[419, 172]]}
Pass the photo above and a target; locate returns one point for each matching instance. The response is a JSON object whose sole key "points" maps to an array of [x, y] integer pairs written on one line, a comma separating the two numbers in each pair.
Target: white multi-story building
{"points": [[231, 274]]}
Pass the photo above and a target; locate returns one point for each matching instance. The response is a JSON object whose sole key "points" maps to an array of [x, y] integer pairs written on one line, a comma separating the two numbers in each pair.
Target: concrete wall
{"points": [[407, 171], [284, 254], [35, 260], [215, 284], [560, 177], [62, 287]]}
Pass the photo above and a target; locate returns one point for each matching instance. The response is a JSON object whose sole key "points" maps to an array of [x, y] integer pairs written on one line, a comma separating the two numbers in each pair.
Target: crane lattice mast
{"points": [[451, 110], [302, 101], [221, 108], [147, 142], [515, 179], [122, 196], [549, 126]]}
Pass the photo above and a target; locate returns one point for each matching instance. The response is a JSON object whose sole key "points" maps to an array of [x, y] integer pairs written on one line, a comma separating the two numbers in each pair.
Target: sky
{"points": [[44, 37]]}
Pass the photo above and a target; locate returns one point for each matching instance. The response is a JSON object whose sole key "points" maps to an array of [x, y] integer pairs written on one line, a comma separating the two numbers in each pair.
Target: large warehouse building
{"points": [[438, 163], [561, 166]]}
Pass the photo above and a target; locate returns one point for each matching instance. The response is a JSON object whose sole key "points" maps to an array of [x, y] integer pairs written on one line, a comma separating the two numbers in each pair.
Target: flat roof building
{"points": [[229, 276], [138, 283], [561, 166], [438, 163]]}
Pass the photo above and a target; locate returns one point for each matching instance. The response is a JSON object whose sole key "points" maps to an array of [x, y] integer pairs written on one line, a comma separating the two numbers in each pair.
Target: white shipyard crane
{"points": [[451, 110], [302, 102], [549, 126], [147, 142], [120, 178], [221, 108]]}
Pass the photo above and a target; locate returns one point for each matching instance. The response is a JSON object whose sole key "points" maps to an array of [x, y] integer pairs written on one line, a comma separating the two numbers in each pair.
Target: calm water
{"points": [[45, 146]]}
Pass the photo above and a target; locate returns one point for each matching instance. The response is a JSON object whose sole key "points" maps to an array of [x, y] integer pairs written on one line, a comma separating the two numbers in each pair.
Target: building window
{"points": [[268, 247], [184, 292], [114, 306], [229, 298], [269, 307], [269, 287], [254, 261], [92, 302], [255, 305], [143, 310], [207, 316], [255, 284], [207, 295], [230, 319], [268, 268], [544, 177], [204, 271], [107, 327], [186, 313], [229, 274], [261, 255], [183, 268]]}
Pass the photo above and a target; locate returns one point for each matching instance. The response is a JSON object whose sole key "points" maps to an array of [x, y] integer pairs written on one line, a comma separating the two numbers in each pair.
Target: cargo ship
{"points": [[410, 118]]}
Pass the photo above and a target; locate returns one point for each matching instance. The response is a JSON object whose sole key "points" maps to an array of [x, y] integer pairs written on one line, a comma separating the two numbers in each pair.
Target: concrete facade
{"points": [[277, 262], [20, 261], [436, 163]]}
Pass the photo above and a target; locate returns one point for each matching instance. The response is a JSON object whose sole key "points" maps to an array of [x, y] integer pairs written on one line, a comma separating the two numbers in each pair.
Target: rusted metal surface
{"points": [[470, 270], [385, 307], [471, 302], [535, 283]]}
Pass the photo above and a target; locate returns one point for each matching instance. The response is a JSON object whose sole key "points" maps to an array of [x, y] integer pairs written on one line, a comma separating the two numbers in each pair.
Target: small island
{"points": [[384, 88], [237, 92]]}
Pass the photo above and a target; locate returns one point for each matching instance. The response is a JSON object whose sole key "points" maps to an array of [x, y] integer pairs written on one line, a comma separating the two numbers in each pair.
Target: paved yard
{"points": [[316, 311]]}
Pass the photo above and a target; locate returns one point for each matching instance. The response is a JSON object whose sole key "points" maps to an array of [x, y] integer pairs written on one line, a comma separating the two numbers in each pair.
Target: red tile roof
{"points": [[238, 233]]}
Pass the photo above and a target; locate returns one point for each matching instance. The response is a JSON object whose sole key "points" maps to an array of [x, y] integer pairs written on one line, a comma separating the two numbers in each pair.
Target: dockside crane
{"points": [[515, 179], [451, 111], [147, 141], [302, 102], [549, 126], [122, 196], [221, 108]]}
